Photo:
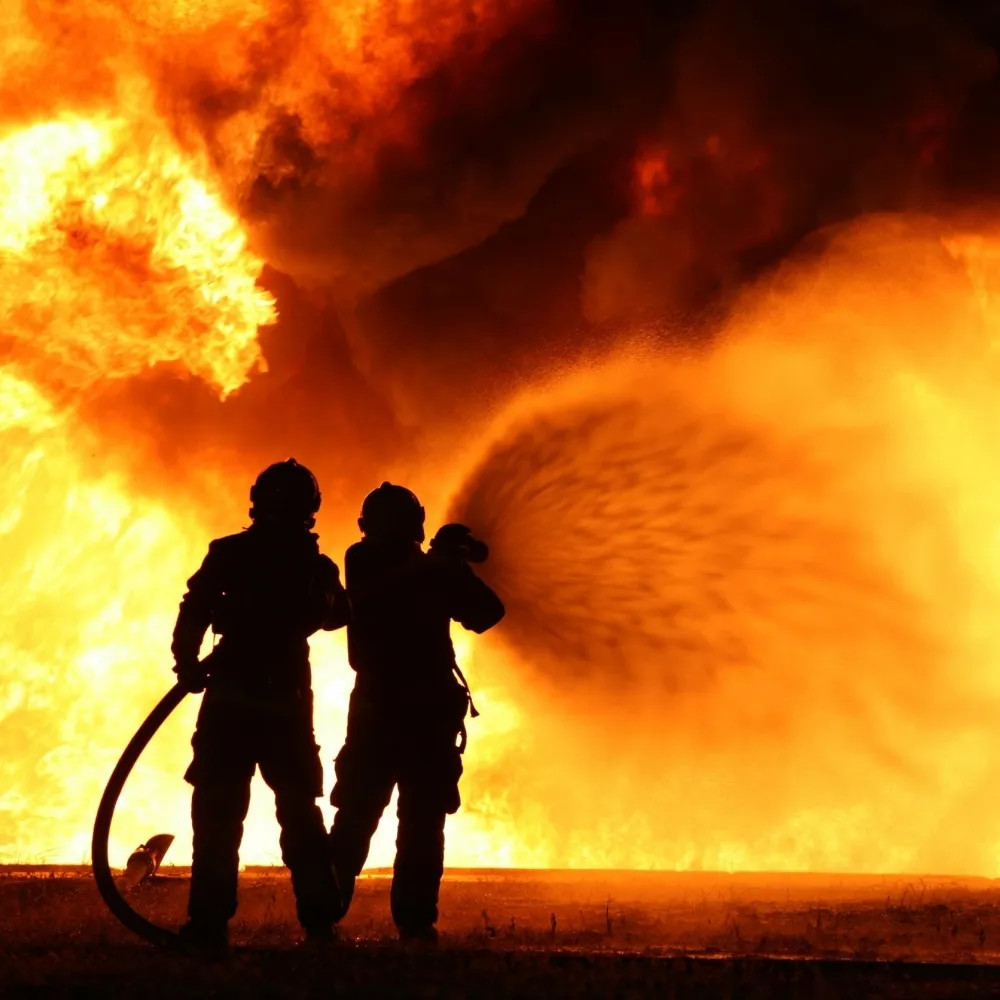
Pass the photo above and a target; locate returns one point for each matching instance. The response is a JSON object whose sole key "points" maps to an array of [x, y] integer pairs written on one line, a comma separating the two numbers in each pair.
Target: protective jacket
{"points": [[403, 602], [264, 591]]}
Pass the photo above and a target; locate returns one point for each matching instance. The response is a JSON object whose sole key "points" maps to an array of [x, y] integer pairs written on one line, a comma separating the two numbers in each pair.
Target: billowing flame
{"points": [[117, 256]]}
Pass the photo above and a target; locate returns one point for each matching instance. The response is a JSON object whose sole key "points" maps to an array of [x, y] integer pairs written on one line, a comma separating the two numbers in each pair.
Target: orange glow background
{"points": [[742, 508]]}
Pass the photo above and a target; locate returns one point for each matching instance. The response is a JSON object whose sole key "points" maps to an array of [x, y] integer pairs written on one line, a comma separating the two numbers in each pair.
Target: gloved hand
{"points": [[456, 541], [191, 675], [328, 597]]}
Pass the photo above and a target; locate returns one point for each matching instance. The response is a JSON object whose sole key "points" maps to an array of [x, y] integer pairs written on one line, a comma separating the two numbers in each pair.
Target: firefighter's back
{"points": [[400, 627], [268, 580]]}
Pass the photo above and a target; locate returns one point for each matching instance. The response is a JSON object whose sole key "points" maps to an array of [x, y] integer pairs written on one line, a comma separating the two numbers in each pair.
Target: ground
{"points": [[529, 934]]}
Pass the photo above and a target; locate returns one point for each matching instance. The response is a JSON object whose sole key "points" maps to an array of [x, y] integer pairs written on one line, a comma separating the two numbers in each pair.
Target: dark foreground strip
{"points": [[384, 970]]}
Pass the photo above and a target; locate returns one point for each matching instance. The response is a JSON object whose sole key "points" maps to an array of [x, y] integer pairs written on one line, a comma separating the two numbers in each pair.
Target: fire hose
{"points": [[106, 884]]}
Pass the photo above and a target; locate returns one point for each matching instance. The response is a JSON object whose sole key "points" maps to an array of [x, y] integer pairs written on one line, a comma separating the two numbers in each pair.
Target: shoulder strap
{"points": [[473, 711]]}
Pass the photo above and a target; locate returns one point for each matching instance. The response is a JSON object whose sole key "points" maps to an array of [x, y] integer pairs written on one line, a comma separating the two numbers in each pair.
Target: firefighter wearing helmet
{"points": [[406, 725], [263, 592]]}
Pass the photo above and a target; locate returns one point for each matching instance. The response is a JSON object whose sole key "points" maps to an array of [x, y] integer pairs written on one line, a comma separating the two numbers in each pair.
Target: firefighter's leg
{"points": [[217, 813], [365, 779], [221, 772], [419, 865], [428, 792], [292, 768]]}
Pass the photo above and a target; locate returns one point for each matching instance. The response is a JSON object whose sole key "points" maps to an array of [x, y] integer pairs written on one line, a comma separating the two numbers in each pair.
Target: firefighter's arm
{"points": [[197, 608], [474, 605], [332, 605]]}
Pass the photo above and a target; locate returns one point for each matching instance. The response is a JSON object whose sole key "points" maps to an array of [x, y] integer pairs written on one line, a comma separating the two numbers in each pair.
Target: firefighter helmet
{"points": [[285, 491], [392, 513]]}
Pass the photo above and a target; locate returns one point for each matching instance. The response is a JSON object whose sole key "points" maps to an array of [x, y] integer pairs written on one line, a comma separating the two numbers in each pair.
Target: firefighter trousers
{"points": [[232, 739], [414, 750]]}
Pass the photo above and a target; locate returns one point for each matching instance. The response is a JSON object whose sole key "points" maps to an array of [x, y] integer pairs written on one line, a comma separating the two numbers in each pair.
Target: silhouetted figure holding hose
{"points": [[406, 722], [264, 591]]}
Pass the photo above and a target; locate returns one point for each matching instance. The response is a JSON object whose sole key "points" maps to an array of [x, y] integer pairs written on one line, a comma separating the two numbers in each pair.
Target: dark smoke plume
{"points": [[735, 131], [535, 181]]}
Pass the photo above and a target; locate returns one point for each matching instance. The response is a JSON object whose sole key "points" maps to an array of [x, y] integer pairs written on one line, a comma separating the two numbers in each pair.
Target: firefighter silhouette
{"points": [[264, 591], [406, 723]]}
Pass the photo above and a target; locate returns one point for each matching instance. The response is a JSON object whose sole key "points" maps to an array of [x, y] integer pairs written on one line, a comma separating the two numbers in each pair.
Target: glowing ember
{"points": [[657, 190]]}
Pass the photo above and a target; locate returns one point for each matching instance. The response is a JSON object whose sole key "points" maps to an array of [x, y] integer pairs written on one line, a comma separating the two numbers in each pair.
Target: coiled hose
{"points": [[106, 884]]}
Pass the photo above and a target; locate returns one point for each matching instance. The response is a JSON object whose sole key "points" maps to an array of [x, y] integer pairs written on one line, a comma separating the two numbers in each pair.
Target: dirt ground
{"points": [[528, 934]]}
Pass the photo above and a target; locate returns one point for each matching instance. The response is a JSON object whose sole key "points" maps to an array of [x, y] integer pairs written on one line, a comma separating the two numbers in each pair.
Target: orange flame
{"points": [[118, 256]]}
